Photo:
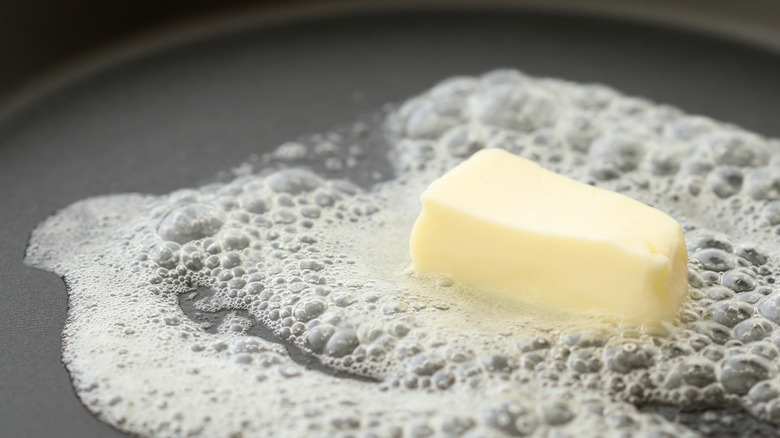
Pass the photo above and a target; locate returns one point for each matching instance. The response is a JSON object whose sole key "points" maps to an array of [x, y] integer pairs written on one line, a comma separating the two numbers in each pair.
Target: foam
{"points": [[279, 303]]}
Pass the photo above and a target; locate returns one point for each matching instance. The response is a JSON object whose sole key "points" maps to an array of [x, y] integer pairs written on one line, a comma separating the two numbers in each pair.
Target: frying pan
{"points": [[172, 109]]}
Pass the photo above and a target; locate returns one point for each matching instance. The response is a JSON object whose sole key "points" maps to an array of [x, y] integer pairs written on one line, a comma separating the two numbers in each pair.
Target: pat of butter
{"points": [[507, 226]]}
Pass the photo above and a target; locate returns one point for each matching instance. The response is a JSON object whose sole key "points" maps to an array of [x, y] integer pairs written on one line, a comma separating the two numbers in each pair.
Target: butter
{"points": [[510, 228]]}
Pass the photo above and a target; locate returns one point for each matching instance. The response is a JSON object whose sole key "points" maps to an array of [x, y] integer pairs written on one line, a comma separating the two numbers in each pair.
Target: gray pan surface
{"points": [[174, 117]]}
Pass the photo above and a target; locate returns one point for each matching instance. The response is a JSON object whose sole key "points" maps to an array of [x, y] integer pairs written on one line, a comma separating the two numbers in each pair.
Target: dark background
{"points": [[37, 36], [39, 40], [153, 96]]}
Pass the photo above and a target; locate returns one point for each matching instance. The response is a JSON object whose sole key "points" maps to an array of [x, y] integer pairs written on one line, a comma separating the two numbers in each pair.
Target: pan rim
{"points": [[728, 21]]}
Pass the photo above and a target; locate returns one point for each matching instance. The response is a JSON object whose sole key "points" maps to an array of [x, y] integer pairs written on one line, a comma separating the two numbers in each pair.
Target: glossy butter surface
{"points": [[507, 226]]}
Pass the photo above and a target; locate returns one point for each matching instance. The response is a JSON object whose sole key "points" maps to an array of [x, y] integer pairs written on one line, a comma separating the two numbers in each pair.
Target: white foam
{"points": [[169, 295]]}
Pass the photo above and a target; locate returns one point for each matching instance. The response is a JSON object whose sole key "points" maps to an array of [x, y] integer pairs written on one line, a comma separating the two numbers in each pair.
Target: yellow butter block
{"points": [[508, 227]]}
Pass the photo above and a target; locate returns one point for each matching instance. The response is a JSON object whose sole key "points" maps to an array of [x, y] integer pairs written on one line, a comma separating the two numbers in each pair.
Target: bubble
{"points": [[293, 181], [230, 260], [424, 365], [309, 309], [290, 151], [456, 425], [739, 149], [190, 222], [192, 258], [424, 121], [556, 413], [764, 349], [628, 357], [738, 281], [729, 312], [614, 154], [752, 253], [512, 418], [342, 343], [518, 108], [708, 239], [463, 141], [587, 338], [725, 180], [772, 213], [584, 362], [716, 332], [579, 129], [500, 363], [694, 372], [233, 239], [665, 161], [715, 259], [183, 196], [688, 128], [769, 308], [532, 343], [764, 391], [166, 255], [752, 329], [738, 374], [763, 184], [310, 211]]}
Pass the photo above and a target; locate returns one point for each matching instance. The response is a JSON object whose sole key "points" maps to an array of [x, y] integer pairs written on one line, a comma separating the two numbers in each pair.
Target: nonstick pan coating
{"points": [[175, 116]]}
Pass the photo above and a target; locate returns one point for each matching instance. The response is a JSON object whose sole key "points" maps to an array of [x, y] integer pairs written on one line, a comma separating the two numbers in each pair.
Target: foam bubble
{"points": [[279, 303]]}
